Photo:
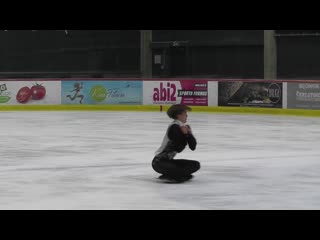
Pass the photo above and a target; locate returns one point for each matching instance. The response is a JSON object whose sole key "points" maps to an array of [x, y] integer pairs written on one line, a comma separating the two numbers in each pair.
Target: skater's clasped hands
{"points": [[186, 129]]}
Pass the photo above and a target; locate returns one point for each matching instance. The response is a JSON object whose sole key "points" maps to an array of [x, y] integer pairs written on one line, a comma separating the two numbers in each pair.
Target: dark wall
{"points": [[228, 61], [214, 53], [298, 56], [77, 51], [214, 37]]}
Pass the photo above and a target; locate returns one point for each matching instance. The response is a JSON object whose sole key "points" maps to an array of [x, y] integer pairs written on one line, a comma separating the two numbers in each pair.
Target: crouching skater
{"points": [[177, 137]]}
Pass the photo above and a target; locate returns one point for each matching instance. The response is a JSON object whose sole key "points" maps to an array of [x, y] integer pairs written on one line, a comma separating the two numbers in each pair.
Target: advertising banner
{"points": [[101, 92], [255, 94], [30, 92], [303, 95], [189, 92]]}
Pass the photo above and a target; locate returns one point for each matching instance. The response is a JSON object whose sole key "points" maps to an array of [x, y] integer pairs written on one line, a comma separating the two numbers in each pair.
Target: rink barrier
{"points": [[163, 108], [251, 110], [291, 102], [152, 108]]}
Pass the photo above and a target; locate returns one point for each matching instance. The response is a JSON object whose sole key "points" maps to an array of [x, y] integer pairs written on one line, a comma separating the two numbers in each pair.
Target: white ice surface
{"points": [[102, 160]]}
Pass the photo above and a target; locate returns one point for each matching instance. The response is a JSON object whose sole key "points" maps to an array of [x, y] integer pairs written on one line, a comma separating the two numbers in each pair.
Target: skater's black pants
{"points": [[175, 168]]}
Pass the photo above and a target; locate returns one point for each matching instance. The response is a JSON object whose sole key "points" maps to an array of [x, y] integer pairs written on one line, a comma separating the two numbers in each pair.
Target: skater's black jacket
{"points": [[179, 140]]}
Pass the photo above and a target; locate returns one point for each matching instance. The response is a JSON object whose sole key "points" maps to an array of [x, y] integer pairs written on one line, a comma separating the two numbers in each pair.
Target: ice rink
{"points": [[102, 160]]}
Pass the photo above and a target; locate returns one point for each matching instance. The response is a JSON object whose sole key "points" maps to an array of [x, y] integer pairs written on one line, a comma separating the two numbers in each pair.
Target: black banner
{"points": [[255, 94]]}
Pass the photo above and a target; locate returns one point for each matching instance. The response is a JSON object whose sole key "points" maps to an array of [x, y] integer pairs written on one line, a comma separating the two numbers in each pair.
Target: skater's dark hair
{"points": [[177, 109]]}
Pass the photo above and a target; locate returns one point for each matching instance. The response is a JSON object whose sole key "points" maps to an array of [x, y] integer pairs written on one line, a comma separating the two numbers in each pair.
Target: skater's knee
{"points": [[197, 166], [156, 166]]}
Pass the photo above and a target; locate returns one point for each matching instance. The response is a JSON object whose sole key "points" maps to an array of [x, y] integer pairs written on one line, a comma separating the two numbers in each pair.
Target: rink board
{"points": [[285, 97], [154, 108]]}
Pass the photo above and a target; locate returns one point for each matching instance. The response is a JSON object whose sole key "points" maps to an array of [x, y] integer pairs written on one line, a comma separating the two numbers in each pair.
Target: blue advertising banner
{"points": [[101, 92]]}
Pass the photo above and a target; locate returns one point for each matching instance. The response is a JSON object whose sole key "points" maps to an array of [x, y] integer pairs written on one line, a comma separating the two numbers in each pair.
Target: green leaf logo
{"points": [[4, 99], [98, 93]]}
